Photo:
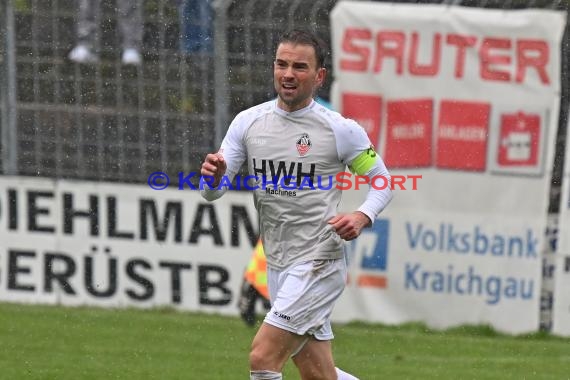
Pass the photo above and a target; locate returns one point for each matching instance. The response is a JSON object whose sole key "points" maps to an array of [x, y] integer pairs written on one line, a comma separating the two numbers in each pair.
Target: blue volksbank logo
{"points": [[370, 253]]}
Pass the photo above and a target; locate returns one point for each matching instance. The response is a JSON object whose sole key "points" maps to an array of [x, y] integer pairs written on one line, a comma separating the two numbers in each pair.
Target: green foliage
{"points": [[22, 5], [45, 342]]}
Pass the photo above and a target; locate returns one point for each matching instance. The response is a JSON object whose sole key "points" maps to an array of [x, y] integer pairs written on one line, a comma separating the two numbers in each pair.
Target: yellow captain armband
{"points": [[364, 161]]}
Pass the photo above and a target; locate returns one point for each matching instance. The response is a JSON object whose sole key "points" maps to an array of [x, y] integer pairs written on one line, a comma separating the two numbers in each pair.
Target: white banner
{"points": [[468, 99], [561, 298], [81, 243]]}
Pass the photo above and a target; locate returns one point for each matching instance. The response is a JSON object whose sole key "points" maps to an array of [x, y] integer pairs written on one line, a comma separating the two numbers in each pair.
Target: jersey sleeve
{"points": [[357, 152], [377, 198], [351, 141], [233, 146], [234, 152]]}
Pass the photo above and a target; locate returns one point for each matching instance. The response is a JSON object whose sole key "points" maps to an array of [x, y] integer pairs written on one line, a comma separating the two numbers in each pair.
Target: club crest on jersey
{"points": [[303, 144]]}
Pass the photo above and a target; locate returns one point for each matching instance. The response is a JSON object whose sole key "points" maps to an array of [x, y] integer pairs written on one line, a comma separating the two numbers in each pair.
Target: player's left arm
{"points": [[356, 150]]}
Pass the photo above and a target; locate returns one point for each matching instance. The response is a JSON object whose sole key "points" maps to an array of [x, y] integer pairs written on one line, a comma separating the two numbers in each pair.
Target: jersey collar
{"points": [[298, 113]]}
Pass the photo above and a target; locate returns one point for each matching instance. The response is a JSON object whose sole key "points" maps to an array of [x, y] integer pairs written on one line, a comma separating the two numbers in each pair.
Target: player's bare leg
{"points": [[315, 360], [270, 350]]}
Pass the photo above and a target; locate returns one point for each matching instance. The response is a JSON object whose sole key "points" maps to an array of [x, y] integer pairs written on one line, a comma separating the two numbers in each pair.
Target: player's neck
{"points": [[292, 108]]}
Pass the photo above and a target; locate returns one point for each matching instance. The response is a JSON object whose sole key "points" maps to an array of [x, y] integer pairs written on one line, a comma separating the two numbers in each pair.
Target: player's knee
{"points": [[265, 358], [258, 360]]}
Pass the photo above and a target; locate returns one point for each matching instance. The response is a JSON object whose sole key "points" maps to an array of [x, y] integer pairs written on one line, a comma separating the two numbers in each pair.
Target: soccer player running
{"points": [[291, 143]]}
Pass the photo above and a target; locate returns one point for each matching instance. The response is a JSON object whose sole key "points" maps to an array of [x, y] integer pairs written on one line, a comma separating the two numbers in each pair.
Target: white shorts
{"points": [[303, 296]]}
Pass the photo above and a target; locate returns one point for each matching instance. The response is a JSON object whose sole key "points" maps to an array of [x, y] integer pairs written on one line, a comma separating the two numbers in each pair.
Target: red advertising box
{"points": [[409, 133], [366, 110], [462, 135]]}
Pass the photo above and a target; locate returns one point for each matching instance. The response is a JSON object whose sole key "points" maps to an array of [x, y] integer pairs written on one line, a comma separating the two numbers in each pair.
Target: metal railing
{"points": [[112, 122], [107, 121]]}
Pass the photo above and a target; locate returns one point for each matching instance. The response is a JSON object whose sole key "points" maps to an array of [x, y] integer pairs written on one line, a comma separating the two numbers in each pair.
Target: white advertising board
{"points": [[468, 99], [81, 243]]}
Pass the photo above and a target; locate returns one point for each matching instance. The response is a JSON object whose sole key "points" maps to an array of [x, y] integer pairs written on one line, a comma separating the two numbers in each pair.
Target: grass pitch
{"points": [[45, 342]]}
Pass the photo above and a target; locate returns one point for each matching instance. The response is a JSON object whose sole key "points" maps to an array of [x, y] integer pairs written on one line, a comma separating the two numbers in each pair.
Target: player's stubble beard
{"points": [[296, 101]]}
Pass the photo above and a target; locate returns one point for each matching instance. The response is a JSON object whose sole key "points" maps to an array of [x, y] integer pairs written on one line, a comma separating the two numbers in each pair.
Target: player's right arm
{"points": [[218, 169]]}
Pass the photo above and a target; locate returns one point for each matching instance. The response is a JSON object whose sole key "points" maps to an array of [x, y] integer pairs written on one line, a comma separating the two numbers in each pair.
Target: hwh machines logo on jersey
{"points": [[275, 170]]}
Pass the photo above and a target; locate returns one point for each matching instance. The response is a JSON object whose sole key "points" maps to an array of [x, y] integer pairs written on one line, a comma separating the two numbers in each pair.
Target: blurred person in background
{"points": [[303, 234], [196, 26], [254, 286], [130, 23]]}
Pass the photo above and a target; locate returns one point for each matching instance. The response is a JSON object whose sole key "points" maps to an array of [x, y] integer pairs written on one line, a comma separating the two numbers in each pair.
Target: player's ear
{"points": [[321, 75]]}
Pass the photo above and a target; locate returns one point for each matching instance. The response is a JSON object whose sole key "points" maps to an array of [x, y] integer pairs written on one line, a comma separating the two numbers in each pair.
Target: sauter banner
{"points": [[468, 99]]}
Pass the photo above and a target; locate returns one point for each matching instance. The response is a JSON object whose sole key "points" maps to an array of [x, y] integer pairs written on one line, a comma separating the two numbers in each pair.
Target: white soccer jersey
{"points": [[295, 157]]}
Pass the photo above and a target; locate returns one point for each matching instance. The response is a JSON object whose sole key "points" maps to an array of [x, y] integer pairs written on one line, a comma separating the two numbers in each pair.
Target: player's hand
{"points": [[215, 166], [349, 226]]}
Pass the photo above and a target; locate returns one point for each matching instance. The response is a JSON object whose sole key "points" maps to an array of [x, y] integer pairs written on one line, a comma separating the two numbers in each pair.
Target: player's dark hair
{"points": [[303, 37]]}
